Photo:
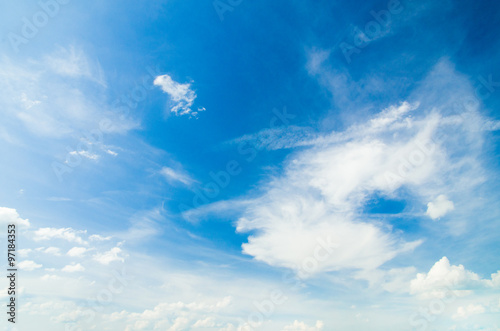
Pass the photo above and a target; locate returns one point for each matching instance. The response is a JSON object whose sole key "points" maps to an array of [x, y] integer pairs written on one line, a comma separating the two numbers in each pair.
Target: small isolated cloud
{"points": [[96, 237], [28, 265], [77, 251], [67, 234], [86, 154], [10, 216], [114, 254], [181, 95], [464, 312], [439, 207], [73, 268], [176, 175], [301, 326]]}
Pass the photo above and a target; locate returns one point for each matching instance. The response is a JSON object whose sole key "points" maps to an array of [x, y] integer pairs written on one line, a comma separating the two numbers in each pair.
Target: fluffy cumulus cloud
{"points": [[28, 265], [67, 234], [301, 326], [73, 268], [444, 279], [173, 316], [77, 251], [181, 95], [114, 254], [439, 207], [10, 216]]}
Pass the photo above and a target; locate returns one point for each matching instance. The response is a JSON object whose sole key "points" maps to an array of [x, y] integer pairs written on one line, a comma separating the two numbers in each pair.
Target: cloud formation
{"points": [[10, 216], [67, 234], [413, 151], [28, 265], [439, 207], [176, 176], [444, 277], [181, 95]]}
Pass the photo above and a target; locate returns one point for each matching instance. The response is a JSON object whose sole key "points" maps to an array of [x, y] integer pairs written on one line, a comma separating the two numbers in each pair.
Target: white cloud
{"points": [[276, 138], [324, 188], [316, 59], [51, 97], [67, 234], [180, 323], [96, 237], [439, 207], [73, 62], [181, 95], [301, 326], [166, 314], [28, 265], [394, 280], [465, 312], [77, 251], [114, 254], [208, 322], [176, 175], [86, 154], [444, 279], [24, 252], [10, 216], [52, 250], [415, 151], [73, 268]]}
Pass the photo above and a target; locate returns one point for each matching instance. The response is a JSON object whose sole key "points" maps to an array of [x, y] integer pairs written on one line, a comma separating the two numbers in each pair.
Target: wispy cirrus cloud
{"points": [[178, 175]]}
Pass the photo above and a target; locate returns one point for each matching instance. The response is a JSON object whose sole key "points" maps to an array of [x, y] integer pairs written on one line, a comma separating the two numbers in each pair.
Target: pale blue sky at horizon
{"points": [[251, 165]]}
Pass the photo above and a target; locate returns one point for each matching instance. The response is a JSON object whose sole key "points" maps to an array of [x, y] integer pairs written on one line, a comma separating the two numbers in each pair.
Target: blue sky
{"points": [[252, 165]]}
